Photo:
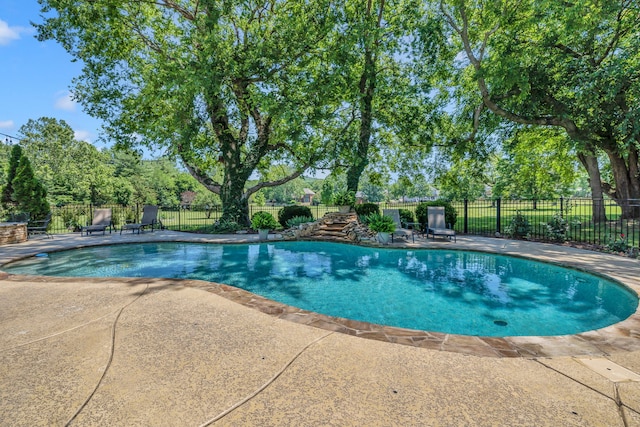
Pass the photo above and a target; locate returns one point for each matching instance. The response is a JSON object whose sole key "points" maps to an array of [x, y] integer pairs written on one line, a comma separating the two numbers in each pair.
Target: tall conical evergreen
{"points": [[28, 192], [7, 191]]}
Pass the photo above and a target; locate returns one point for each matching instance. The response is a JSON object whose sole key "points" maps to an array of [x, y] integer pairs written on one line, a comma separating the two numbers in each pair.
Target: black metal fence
{"points": [[481, 217]]}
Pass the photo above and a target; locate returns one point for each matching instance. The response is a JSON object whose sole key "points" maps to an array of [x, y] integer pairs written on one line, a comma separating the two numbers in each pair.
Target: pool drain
{"points": [[500, 322]]}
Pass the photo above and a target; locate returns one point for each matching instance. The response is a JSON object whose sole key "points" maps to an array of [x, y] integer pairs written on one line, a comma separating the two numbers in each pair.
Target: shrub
{"points": [[262, 220], [617, 244], [297, 220], [519, 226], [226, 227], [71, 218], [6, 198], [367, 209], [557, 228], [406, 216], [450, 213], [381, 223], [288, 212]]}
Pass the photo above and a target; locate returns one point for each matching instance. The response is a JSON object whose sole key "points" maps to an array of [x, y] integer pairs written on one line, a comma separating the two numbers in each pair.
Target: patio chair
{"points": [[18, 217], [101, 220], [149, 219], [436, 223], [402, 232], [39, 226]]}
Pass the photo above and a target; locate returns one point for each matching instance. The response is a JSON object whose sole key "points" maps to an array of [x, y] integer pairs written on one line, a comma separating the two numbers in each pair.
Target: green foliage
{"points": [[519, 226], [288, 212], [450, 213], [262, 220], [381, 223], [557, 228], [259, 199], [344, 198], [537, 164], [463, 179], [28, 192], [367, 209], [71, 218], [285, 193], [297, 220], [406, 216], [224, 226], [229, 88], [570, 65], [617, 244], [7, 191]]}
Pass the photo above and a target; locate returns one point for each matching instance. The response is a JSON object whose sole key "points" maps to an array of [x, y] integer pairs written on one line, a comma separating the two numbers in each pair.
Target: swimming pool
{"points": [[460, 292]]}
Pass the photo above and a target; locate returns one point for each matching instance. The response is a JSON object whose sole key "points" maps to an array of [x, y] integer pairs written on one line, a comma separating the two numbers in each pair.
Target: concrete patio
{"points": [[164, 352]]}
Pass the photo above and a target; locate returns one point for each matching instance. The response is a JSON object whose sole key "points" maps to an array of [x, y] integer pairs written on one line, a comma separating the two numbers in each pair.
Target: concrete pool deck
{"points": [[171, 352]]}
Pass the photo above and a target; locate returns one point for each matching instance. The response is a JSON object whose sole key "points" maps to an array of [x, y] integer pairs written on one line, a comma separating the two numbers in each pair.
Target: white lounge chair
{"points": [[436, 224]]}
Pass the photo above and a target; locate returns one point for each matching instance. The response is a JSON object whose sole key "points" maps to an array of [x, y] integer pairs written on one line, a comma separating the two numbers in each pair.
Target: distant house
{"points": [[308, 196]]}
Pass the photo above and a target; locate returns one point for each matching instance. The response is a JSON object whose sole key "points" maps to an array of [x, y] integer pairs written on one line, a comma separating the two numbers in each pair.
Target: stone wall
{"points": [[12, 233]]}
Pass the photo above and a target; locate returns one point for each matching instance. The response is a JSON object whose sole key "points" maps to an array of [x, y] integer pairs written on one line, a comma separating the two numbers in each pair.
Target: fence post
{"points": [[561, 206], [466, 216], [498, 215]]}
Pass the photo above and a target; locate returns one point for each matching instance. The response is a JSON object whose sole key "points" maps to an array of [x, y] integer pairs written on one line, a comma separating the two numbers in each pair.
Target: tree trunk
{"points": [[367, 88], [627, 183], [235, 206], [235, 203], [590, 163]]}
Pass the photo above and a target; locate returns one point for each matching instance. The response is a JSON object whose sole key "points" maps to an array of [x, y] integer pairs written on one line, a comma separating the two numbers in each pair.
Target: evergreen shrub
{"points": [[288, 212]]}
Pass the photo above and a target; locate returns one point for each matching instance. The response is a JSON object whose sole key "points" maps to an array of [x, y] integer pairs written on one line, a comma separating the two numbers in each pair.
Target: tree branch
{"points": [[275, 183]]}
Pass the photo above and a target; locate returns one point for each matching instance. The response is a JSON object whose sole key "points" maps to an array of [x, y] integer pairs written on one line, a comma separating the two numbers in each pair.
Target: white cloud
{"points": [[81, 135], [6, 124], [66, 103], [9, 34]]}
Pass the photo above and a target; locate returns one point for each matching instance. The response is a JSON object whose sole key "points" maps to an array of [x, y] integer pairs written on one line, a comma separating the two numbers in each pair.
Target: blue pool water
{"points": [[458, 292]]}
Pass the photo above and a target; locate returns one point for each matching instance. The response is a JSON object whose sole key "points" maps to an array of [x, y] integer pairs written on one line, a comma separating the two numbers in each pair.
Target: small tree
{"points": [[7, 199], [28, 192]]}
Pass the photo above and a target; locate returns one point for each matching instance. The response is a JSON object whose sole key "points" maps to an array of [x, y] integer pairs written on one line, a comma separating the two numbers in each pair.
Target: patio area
{"points": [[168, 352]]}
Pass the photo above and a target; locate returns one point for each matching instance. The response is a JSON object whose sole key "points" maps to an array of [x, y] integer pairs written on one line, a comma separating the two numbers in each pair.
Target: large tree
{"points": [[536, 164], [573, 65], [227, 85], [384, 105], [70, 170]]}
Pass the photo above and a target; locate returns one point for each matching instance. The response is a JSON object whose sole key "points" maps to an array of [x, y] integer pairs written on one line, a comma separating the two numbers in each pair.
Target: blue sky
{"points": [[35, 77]]}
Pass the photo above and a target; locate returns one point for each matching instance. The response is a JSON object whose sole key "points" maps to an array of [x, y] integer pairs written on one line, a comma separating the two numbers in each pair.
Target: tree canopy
{"points": [[570, 65], [234, 87], [228, 86]]}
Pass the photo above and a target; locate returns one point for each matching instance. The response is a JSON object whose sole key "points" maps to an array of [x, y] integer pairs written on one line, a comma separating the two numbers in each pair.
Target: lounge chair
{"points": [[101, 220], [436, 223], [149, 219], [18, 217], [402, 232], [39, 226]]}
